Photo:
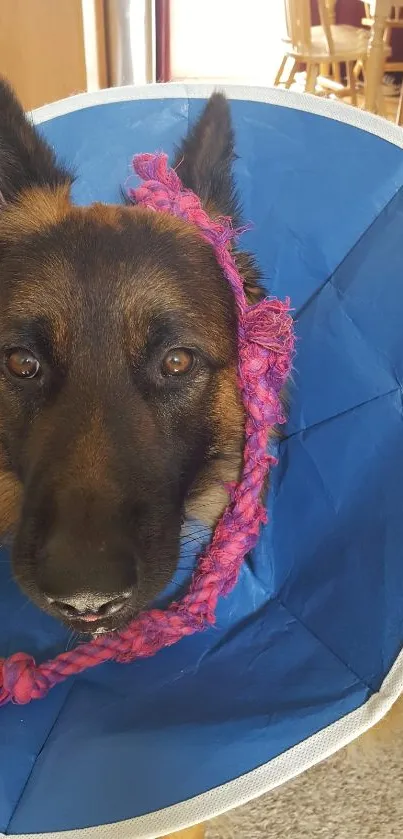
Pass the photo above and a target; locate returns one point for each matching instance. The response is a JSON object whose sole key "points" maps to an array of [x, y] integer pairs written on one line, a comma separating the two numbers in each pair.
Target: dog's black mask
{"points": [[119, 409]]}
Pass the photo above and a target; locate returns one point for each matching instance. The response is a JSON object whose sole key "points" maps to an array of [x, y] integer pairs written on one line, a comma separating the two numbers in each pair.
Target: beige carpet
{"points": [[354, 795]]}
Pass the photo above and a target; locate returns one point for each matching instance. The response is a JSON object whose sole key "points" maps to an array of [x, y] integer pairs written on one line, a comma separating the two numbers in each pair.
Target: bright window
{"points": [[228, 40]]}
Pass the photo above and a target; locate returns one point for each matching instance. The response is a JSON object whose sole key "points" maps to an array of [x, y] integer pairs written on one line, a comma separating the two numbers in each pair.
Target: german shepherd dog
{"points": [[119, 405]]}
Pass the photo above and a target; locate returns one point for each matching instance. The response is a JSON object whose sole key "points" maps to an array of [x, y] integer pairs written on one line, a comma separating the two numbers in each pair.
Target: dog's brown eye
{"points": [[177, 362], [22, 364]]}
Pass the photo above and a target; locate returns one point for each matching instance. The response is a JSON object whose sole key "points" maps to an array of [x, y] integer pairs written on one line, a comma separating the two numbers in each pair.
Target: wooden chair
{"points": [[324, 45], [393, 21], [375, 65], [375, 13]]}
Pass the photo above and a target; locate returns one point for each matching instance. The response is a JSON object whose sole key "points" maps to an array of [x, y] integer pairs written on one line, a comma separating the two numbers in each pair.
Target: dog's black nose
{"points": [[90, 607]]}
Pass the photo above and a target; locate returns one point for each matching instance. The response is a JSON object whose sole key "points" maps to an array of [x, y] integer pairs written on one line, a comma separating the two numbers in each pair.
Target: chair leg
{"points": [[291, 77], [336, 73], [280, 71], [399, 115], [358, 69], [375, 62], [197, 832], [311, 76], [381, 106], [351, 82]]}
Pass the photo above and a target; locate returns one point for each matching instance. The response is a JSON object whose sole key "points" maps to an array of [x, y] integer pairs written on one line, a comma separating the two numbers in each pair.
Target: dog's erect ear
{"points": [[204, 160], [204, 165], [25, 159]]}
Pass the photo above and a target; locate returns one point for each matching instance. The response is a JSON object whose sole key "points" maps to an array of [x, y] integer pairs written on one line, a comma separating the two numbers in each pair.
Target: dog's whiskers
{"points": [[24, 606], [194, 541], [72, 639]]}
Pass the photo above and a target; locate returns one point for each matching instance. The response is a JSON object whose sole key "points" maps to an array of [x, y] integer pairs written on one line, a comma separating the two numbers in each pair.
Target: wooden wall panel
{"points": [[42, 49]]}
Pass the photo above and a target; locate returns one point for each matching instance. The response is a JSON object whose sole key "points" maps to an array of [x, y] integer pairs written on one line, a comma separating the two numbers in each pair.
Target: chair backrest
{"points": [[325, 15], [299, 23]]}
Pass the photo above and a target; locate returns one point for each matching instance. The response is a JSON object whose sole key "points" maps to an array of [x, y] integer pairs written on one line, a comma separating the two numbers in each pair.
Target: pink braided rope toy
{"points": [[265, 345]]}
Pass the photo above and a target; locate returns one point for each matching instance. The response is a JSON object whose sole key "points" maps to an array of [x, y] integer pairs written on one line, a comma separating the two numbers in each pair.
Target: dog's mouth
{"points": [[91, 602], [94, 625]]}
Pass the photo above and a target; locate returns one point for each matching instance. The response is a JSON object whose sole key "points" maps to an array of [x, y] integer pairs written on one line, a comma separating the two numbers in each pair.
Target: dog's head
{"points": [[119, 406]]}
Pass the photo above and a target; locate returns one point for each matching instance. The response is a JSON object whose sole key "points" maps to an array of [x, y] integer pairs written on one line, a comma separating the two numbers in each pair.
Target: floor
{"points": [[347, 797], [391, 92]]}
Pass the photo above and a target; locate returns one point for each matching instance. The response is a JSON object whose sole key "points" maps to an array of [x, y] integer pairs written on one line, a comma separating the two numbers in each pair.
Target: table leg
{"points": [[376, 57], [399, 115]]}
